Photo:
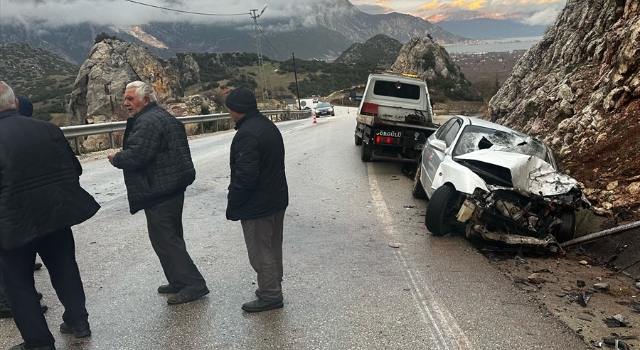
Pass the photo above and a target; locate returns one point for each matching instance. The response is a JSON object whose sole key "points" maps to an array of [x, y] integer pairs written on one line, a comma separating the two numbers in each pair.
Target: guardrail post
{"points": [[77, 146], [111, 140], [215, 124], [201, 128]]}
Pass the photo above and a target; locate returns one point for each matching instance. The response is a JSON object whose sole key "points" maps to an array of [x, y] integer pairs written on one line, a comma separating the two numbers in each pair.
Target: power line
{"points": [[268, 42], [190, 12]]}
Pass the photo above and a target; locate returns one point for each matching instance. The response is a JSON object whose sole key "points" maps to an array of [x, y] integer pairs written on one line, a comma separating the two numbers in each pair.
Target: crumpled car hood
{"points": [[528, 173]]}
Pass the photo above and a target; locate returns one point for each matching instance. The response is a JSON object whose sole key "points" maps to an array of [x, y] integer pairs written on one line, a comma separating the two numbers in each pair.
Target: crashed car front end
{"points": [[524, 200]]}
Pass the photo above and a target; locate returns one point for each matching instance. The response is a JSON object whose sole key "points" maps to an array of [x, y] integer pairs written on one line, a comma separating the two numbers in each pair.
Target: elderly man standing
{"points": [[258, 194], [40, 199], [157, 166]]}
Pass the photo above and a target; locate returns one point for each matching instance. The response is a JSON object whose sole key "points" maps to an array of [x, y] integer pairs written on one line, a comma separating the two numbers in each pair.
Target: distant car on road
{"points": [[497, 183], [324, 108]]}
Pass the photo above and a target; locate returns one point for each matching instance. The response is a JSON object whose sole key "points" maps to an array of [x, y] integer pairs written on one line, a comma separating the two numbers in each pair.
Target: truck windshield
{"points": [[396, 89], [474, 138]]}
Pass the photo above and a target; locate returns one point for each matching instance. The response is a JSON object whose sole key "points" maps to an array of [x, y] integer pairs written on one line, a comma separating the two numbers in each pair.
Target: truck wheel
{"points": [[441, 211], [418, 191], [358, 140], [567, 227], [366, 152]]}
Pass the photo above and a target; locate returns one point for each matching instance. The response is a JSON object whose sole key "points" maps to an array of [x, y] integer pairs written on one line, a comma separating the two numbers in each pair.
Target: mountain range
{"points": [[320, 34]]}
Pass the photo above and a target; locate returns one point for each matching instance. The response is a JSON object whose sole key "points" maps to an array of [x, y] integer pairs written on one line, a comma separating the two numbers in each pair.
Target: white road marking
{"points": [[442, 325]]}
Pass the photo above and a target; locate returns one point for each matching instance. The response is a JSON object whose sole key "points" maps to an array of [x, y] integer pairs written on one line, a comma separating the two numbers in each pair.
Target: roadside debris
{"points": [[635, 306], [615, 321]]}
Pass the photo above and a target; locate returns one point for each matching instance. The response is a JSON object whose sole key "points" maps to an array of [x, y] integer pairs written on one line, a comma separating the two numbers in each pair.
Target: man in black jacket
{"points": [[40, 199], [258, 194], [157, 166], [25, 108]]}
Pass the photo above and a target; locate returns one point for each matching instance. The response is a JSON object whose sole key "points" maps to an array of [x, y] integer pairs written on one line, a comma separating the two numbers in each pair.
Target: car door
{"points": [[431, 157]]}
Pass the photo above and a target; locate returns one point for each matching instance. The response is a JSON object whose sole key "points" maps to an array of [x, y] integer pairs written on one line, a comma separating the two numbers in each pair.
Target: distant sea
{"points": [[495, 45]]}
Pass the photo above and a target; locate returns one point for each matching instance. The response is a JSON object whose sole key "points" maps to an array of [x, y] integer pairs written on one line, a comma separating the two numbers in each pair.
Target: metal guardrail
{"points": [[77, 131]]}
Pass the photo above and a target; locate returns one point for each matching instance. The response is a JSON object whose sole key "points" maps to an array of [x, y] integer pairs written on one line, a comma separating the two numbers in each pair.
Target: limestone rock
{"points": [[99, 88], [424, 57]]}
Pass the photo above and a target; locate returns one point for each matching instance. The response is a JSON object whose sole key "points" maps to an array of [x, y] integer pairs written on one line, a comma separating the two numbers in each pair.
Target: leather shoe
{"points": [[80, 330], [262, 305], [21, 347], [168, 289], [185, 296]]}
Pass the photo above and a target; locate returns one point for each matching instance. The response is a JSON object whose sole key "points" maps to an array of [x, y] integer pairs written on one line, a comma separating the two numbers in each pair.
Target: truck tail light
{"points": [[369, 109], [386, 140]]}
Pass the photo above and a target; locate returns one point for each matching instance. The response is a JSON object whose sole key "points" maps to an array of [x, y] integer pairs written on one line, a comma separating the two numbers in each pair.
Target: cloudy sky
{"points": [[125, 12], [536, 11]]}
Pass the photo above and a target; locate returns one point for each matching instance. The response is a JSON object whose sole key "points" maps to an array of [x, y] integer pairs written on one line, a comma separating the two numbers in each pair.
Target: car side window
{"points": [[444, 128], [452, 132]]}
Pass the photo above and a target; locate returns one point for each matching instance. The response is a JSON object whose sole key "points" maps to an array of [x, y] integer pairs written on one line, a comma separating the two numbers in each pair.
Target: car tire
{"points": [[366, 152], [567, 229], [417, 191], [358, 140], [439, 217]]}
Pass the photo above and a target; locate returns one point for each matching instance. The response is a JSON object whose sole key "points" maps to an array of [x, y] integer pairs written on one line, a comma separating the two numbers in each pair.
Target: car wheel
{"points": [[441, 211], [418, 191], [567, 227], [366, 153], [333, 114], [358, 140]]}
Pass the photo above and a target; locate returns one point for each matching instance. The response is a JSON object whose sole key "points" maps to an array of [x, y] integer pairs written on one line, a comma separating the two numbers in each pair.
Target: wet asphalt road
{"points": [[345, 286]]}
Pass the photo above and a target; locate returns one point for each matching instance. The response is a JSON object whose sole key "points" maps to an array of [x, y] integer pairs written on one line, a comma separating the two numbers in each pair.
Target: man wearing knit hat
{"points": [[258, 194]]}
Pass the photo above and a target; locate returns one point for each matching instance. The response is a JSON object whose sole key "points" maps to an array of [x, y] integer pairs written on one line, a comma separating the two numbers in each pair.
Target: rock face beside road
{"points": [[578, 89], [98, 90]]}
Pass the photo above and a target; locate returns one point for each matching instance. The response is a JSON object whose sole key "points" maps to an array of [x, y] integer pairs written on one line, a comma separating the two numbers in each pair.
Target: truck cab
{"points": [[394, 118]]}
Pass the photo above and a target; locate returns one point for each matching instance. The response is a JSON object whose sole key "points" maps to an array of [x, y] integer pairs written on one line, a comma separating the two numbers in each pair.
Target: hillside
{"points": [[41, 75], [380, 51], [578, 90]]}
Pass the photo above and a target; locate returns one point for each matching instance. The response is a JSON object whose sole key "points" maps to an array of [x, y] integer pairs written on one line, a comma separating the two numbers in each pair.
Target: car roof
{"points": [[486, 124]]}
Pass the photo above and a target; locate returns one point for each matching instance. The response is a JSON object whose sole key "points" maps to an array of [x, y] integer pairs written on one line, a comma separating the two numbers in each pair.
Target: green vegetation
{"points": [[103, 36], [40, 75]]}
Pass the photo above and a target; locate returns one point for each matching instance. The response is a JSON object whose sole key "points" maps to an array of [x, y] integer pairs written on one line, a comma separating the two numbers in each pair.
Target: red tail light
{"points": [[369, 109], [386, 140]]}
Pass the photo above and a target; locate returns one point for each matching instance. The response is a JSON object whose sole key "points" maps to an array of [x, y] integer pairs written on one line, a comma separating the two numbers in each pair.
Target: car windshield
{"points": [[323, 104], [474, 138]]}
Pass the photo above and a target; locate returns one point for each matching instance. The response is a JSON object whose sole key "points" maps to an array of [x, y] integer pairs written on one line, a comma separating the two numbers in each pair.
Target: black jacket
{"points": [[258, 185], [39, 181], [155, 158]]}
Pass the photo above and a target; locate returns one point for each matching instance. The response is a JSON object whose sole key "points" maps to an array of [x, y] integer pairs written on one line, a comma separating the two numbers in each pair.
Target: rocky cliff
{"points": [[99, 87], [424, 57], [578, 89]]}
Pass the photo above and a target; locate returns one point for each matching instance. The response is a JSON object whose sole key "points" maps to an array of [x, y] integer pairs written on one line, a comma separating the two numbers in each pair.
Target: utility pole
{"points": [[295, 74], [263, 79]]}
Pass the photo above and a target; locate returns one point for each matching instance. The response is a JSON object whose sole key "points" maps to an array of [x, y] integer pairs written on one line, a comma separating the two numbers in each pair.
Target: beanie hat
{"points": [[241, 100], [25, 107]]}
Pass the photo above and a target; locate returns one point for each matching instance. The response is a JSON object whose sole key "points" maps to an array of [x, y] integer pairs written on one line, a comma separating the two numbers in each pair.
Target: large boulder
{"points": [[99, 88], [424, 57]]}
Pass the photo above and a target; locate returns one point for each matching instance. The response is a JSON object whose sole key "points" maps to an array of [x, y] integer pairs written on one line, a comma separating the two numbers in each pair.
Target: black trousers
{"points": [[164, 222], [57, 251]]}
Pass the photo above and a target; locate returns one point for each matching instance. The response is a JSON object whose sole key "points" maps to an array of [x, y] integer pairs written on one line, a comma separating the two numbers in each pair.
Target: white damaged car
{"points": [[497, 183]]}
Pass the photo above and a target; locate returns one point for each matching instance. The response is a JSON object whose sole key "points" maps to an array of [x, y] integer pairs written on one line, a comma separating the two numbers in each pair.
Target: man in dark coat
{"points": [[40, 199], [157, 166], [25, 108], [258, 194]]}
